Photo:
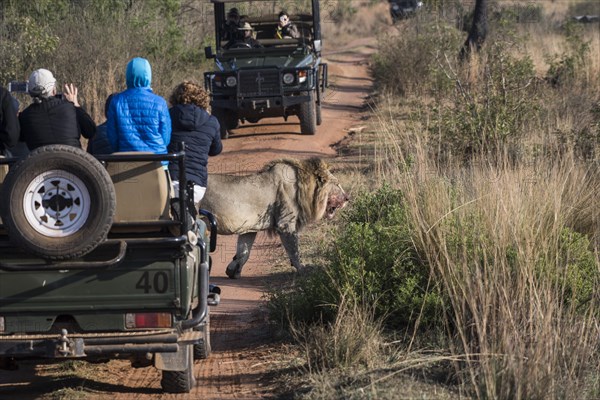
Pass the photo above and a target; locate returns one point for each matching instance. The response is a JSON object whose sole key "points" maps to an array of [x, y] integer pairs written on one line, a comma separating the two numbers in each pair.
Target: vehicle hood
{"points": [[276, 61]]}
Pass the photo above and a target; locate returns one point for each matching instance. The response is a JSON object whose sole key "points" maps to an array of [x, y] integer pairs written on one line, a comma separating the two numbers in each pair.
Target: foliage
{"points": [[90, 42], [409, 62], [573, 270], [374, 260], [566, 67], [490, 108]]}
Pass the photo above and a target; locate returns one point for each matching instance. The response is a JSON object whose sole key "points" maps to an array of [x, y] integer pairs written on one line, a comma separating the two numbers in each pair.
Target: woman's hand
{"points": [[71, 94]]}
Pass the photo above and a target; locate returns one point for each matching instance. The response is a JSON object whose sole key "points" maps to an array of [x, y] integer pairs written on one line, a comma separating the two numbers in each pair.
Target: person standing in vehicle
{"points": [[232, 25], [52, 118], [138, 119], [285, 28], [9, 123], [198, 130]]}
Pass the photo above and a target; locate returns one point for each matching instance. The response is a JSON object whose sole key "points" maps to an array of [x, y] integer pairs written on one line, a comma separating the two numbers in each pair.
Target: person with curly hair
{"points": [[198, 130]]}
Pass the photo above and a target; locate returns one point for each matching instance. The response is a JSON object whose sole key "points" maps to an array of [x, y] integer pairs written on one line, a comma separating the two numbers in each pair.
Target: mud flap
{"points": [[179, 361]]}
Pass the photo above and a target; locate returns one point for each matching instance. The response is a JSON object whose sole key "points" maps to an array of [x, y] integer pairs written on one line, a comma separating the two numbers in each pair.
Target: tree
{"points": [[478, 31]]}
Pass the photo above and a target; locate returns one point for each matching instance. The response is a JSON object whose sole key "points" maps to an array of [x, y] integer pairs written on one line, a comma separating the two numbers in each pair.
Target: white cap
{"points": [[41, 82]]}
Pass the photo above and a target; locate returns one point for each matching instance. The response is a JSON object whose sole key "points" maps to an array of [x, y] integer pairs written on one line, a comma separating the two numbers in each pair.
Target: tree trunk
{"points": [[478, 30]]}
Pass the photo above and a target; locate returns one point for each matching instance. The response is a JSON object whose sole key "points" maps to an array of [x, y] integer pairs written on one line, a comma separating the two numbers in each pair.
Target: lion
{"points": [[282, 198]]}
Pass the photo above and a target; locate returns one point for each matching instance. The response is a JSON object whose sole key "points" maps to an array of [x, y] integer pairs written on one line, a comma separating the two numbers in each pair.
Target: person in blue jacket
{"points": [[198, 130], [138, 119]]}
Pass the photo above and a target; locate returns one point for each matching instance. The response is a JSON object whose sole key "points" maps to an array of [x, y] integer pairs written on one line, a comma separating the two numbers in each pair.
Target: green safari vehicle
{"points": [[274, 76], [99, 260]]}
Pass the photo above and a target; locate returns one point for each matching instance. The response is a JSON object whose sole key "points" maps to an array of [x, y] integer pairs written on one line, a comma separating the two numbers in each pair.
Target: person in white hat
{"points": [[52, 118], [246, 40]]}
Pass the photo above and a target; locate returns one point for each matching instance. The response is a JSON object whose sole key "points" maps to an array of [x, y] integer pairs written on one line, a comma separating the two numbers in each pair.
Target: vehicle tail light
{"points": [[302, 76], [2, 324], [147, 320]]}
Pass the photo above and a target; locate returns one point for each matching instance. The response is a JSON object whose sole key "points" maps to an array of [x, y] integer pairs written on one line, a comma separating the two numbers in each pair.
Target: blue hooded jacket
{"points": [[138, 120]]}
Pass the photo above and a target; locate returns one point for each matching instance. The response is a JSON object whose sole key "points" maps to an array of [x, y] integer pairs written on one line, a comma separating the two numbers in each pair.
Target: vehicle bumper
{"points": [[65, 345], [259, 103]]}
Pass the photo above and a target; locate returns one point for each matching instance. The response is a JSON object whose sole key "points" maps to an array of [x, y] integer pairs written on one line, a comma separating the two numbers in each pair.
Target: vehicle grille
{"points": [[259, 83]]}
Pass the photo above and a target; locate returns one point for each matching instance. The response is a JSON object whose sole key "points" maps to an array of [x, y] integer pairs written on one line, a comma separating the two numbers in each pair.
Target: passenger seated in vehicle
{"points": [[99, 144], [231, 29], [285, 28], [247, 39], [9, 122], [52, 118], [198, 130], [138, 119]]}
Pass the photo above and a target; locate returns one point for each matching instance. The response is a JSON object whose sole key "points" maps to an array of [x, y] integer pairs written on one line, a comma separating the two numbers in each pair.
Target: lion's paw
{"points": [[234, 270]]}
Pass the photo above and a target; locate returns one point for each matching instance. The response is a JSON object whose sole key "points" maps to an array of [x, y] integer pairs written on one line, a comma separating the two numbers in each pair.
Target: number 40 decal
{"points": [[157, 282]]}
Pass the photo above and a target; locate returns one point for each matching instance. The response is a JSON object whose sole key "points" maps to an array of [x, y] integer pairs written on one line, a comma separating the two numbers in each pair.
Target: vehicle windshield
{"points": [[265, 25]]}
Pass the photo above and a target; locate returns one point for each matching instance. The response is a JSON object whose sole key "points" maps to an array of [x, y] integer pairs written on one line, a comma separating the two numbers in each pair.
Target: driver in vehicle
{"points": [[246, 41], [285, 28]]}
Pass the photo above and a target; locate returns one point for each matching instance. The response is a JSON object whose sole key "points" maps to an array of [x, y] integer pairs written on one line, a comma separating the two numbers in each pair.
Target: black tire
{"points": [[58, 203], [203, 350], [180, 381], [319, 117], [228, 120], [307, 114]]}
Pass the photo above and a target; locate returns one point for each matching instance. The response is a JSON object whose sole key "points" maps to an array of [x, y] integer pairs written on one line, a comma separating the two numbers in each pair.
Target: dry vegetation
{"points": [[477, 183]]}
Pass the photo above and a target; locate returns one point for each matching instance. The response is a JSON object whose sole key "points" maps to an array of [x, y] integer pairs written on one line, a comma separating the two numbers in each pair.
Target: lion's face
{"points": [[336, 199]]}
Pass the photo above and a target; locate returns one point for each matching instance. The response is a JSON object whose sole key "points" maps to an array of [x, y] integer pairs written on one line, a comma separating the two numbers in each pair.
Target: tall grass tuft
{"points": [[511, 246], [354, 339]]}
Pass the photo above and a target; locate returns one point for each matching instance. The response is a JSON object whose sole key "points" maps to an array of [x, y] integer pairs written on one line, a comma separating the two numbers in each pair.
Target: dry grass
{"points": [[520, 333]]}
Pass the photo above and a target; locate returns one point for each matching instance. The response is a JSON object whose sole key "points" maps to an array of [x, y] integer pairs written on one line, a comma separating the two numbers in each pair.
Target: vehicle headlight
{"points": [[231, 81], [288, 78], [302, 76]]}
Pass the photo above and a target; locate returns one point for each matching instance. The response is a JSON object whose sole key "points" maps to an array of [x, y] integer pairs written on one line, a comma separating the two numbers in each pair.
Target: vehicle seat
{"points": [[143, 194]]}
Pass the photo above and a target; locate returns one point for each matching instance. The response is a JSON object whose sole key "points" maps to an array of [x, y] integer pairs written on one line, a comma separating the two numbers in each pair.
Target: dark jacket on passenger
{"points": [[201, 134], [99, 144], [55, 121], [9, 122]]}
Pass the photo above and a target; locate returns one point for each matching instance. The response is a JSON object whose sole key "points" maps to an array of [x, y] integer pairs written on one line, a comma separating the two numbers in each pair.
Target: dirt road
{"points": [[242, 355]]}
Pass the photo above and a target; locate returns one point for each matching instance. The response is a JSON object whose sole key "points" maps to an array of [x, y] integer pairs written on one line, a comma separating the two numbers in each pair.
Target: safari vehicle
{"points": [[97, 262], [282, 77], [402, 9]]}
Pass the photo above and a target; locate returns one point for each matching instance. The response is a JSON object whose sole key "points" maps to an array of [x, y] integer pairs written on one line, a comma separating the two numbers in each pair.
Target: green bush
{"points": [[566, 67], [573, 270], [409, 62], [374, 259], [487, 112]]}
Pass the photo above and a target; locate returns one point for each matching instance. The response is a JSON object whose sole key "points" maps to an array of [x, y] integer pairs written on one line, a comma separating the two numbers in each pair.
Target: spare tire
{"points": [[58, 203]]}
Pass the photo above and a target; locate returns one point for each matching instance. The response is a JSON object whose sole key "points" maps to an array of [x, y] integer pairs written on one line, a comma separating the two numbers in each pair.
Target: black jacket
{"points": [[200, 132], [9, 122], [55, 121]]}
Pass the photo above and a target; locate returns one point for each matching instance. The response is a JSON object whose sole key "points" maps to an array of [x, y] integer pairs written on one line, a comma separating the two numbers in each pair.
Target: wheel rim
{"points": [[56, 203]]}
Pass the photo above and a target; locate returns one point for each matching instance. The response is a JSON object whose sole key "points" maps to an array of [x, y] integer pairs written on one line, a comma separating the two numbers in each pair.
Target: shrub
{"points": [[564, 68], [490, 107], [374, 259], [408, 62]]}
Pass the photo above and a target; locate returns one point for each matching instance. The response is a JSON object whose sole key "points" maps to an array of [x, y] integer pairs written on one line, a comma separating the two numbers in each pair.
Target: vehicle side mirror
{"points": [[318, 45], [208, 52]]}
